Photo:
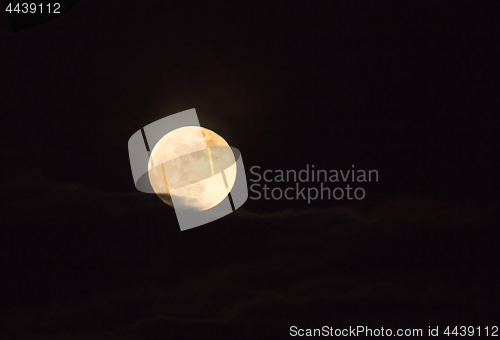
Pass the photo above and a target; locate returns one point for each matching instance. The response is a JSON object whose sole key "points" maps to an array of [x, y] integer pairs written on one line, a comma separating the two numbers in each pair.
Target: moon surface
{"points": [[192, 168]]}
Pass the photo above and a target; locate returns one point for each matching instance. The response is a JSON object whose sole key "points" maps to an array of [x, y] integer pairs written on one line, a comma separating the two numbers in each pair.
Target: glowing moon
{"points": [[193, 165]]}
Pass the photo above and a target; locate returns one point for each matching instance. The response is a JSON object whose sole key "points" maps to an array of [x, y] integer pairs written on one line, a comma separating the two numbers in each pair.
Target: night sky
{"points": [[411, 90]]}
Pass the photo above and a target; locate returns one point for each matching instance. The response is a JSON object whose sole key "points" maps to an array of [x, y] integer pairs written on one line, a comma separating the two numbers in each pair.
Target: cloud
{"points": [[81, 264]]}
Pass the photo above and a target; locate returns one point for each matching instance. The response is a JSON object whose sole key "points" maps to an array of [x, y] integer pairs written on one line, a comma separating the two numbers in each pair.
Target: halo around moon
{"points": [[193, 167]]}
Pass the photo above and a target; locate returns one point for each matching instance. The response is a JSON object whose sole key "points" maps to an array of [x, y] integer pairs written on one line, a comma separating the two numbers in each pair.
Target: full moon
{"points": [[193, 167]]}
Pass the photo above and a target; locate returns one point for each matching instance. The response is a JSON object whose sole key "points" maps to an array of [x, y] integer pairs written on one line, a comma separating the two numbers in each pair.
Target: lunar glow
{"points": [[190, 165]]}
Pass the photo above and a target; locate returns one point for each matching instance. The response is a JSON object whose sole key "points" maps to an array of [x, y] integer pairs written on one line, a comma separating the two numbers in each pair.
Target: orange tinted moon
{"points": [[184, 164]]}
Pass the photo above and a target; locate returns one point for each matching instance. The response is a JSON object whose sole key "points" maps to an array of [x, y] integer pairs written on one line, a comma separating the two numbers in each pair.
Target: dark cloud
{"points": [[135, 275]]}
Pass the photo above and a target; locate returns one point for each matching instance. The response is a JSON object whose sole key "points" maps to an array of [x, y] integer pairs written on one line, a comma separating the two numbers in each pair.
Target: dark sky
{"points": [[411, 90]]}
